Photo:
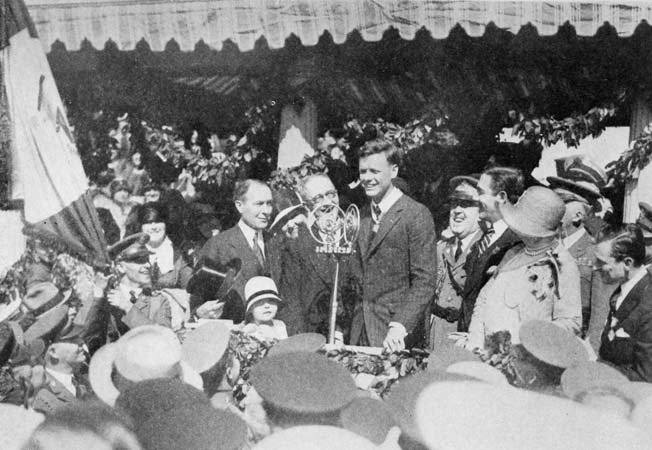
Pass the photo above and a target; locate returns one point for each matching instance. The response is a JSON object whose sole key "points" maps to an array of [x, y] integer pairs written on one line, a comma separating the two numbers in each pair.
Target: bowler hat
{"points": [[368, 417], [131, 249], [149, 398], [143, 353], [302, 342], [552, 344], [538, 212], [193, 427], [261, 288], [303, 383], [588, 375]]}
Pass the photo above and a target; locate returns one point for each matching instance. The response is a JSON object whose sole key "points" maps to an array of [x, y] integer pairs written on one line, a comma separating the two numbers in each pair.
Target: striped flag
{"points": [[46, 171]]}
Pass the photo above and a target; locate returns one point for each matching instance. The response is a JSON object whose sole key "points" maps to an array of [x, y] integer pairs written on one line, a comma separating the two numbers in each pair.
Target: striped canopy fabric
{"points": [[126, 22]]}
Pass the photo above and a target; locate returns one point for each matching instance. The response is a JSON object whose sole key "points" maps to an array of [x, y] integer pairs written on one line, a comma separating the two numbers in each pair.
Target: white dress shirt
{"points": [[64, 378], [569, 241], [392, 195], [499, 229], [163, 255], [250, 234]]}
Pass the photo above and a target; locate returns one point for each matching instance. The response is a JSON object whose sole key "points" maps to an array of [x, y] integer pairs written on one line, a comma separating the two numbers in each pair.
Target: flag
{"points": [[46, 170]]}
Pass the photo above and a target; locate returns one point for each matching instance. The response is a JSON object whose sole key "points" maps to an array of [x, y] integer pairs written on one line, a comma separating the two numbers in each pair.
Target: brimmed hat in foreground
{"points": [[368, 417], [19, 424], [552, 344], [303, 383], [288, 205], [261, 288], [302, 342], [537, 213], [143, 353], [588, 375], [473, 415], [315, 437]]}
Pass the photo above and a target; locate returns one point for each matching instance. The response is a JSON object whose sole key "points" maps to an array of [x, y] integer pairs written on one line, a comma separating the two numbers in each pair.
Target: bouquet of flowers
{"points": [[245, 351]]}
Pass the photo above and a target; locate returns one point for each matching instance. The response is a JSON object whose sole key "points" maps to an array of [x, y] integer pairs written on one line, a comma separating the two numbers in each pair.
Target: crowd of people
{"points": [[534, 307]]}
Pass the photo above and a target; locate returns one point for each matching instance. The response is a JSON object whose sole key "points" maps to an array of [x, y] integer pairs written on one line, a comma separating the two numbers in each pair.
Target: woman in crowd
{"points": [[537, 279], [170, 267]]}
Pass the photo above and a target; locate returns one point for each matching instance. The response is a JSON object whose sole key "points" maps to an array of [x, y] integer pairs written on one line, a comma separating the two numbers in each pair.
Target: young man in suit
{"points": [[306, 278], [397, 253], [244, 241], [496, 186], [627, 337], [452, 252]]}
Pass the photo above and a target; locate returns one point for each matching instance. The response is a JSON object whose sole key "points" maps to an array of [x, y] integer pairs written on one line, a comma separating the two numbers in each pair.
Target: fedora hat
{"points": [[143, 353], [261, 288], [288, 205], [537, 213], [552, 344], [214, 280], [584, 189]]}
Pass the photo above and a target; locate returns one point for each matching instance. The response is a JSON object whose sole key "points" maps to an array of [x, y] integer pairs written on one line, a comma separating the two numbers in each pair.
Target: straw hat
{"points": [[480, 371], [473, 415], [19, 423], [537, 213], [204, 346], [588, 375], [315, 437], [143, 353]]}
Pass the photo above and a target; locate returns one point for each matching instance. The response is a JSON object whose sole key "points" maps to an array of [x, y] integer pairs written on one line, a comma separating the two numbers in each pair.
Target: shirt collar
{"points": [[248, 232], [499, 228], [63, 378], [391, 197], [628, 285], [466, 242]]}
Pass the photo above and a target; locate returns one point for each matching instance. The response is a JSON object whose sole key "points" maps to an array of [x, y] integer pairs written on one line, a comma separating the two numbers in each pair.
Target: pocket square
{"points": [[621, 333]]}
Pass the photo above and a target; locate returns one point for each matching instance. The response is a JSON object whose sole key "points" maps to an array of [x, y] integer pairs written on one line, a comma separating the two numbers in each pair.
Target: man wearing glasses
{"points": [[306, 278], [452, 250]]}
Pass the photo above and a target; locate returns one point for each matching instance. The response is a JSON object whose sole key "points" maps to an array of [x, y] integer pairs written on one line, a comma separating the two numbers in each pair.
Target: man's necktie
{"points": [[458, 250], [486, 238], [614, 299], [258, 252], [377, 212]]}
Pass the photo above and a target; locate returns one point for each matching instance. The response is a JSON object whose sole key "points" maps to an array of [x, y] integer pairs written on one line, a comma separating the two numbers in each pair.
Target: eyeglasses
{"points": [[330, 195], [455, 202]]}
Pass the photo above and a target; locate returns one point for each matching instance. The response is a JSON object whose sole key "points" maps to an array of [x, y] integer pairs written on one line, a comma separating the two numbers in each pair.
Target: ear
{"points": [[502, 197], [394, 170], [238, 205], [629, 263]]}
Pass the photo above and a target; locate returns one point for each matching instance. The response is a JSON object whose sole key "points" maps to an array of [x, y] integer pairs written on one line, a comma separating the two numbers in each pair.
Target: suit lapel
{"points": [[365, 230], [59, 390], [633, 298], [240, 244], [391, 218]]}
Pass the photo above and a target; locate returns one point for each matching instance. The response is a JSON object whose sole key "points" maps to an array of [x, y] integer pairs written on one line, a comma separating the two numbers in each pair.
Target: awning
{"points": [[126, 22]]}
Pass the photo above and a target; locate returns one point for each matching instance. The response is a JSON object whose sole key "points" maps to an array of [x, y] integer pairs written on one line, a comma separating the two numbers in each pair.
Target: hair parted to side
{"points": [[373, 147], [626, 242], [508, 180], [242, 187]]}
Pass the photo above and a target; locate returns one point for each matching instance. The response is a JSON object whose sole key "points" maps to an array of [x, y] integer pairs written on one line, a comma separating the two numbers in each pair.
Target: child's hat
{"points": [[260, 288]]}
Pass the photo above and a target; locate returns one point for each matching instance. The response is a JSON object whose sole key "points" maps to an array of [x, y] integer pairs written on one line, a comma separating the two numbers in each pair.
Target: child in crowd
{"points": [[263, 303]]}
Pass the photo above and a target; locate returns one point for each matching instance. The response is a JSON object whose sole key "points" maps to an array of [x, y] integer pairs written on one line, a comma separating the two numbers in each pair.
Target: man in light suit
{"points": [[496, 185], [627, 336], [397, 253], [452, 250], [245, 241]]}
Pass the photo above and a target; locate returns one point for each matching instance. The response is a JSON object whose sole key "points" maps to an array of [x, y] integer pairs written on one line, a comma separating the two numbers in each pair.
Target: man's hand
{"points": [[118, 299], [211, 309], [395, 339]]}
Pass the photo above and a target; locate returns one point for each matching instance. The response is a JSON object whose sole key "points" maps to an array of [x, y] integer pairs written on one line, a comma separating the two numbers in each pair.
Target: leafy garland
{"points": [[630, 163], [548, 131]]}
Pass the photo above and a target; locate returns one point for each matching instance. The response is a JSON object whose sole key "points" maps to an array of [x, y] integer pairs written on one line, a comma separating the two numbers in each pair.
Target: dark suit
{"points": [[221, 249], [52, 395], [476, 267], [306, 284], [631, 354], [399, 266]]}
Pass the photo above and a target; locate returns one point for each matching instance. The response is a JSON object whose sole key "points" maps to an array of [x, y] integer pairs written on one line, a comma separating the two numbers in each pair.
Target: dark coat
{"points": [[631, 354], [221, 249], [476, 267], [399, 267], [306, 284]]}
